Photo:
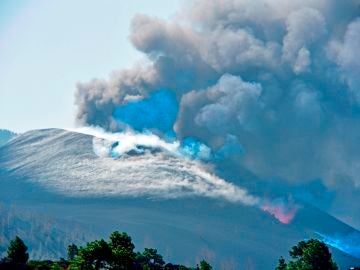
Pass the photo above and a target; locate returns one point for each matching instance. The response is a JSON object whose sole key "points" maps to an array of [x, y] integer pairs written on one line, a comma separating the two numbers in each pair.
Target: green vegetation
{"points": [[115, 254], [204, 265], [118, 254], [17, 251], [308, 255]]}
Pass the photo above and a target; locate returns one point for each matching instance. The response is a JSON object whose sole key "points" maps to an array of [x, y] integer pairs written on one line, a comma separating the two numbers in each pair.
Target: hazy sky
{"points": [[46, 47]]}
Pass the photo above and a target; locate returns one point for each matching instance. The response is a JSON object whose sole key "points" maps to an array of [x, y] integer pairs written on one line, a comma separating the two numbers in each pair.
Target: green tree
{"points": [[72, 251], [150, 256], [122, 249], [282, 264], [204, 265], [17, 251], [95, 255], [309, 255]]}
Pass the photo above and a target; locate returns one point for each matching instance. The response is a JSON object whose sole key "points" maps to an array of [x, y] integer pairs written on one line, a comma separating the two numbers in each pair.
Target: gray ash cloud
{"points": [[282, 78]]}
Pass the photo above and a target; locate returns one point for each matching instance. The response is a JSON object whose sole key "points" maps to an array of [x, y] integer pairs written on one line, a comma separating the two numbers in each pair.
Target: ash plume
{"points": [[281, 78]]}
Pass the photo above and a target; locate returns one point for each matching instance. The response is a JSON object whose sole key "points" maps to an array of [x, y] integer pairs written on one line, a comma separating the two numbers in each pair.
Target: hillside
{"points": [[5, 136], [47, 237], [156, 197]]}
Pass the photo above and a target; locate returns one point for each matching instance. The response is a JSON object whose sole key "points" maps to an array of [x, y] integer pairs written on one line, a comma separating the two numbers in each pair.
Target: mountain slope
{"points": [[162, 200], [47, 238], [5, 136], [73, 169]]}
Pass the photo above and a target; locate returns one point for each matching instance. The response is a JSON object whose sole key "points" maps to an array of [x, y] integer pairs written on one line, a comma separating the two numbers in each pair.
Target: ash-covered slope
{"points": [[65, 162], [5, 136], [162, 199]]}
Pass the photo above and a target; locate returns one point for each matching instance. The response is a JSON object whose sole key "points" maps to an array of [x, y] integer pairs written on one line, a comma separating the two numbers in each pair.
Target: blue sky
{"points": [[46, 47]]}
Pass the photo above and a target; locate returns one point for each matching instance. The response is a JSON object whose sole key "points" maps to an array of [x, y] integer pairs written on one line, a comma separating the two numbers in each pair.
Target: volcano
{"points": [[175, 204]]}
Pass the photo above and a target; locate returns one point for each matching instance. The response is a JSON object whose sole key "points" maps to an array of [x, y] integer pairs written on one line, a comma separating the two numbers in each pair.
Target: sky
{"points": [[46, 47]]}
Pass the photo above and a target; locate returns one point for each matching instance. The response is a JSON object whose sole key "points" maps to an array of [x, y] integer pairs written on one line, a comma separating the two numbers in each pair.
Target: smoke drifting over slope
{"points": [[279, 79], [115, 165], [147, 165]]}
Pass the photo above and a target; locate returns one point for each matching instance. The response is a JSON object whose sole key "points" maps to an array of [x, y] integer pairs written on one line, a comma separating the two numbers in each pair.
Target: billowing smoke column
{"points": [[278, 80]]}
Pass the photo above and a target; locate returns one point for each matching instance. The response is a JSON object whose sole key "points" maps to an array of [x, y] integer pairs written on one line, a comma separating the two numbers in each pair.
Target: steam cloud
{"points": [[277, 79]]}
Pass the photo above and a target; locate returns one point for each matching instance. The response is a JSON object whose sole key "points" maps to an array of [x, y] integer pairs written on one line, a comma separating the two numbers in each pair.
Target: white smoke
{"points": [[166, 174], [119, 144], [82, 164], [170, 173], [127, 141]]}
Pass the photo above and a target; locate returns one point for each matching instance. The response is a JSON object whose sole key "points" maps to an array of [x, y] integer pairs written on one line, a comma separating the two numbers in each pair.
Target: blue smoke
{"points": [[194, 149], [157, 112], [349, 244]]}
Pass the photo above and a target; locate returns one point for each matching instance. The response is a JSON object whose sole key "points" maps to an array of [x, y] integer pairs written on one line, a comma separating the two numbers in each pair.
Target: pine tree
{"points": [[17, 251]]}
